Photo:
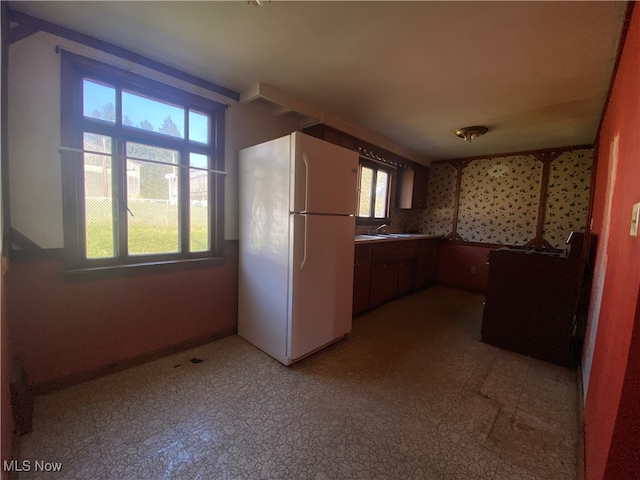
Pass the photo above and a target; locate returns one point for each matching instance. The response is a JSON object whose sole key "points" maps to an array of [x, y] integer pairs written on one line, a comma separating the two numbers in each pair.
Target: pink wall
{"points": [[61, 328], [613, 394], [455, 266]]}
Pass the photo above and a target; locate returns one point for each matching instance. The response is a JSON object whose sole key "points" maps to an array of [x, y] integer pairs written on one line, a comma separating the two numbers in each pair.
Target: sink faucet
{"points": [[373, 231]]}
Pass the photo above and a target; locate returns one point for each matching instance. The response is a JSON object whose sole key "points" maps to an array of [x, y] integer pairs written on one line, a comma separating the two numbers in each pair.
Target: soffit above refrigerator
{"points": [[269, 99], [275, 102]]}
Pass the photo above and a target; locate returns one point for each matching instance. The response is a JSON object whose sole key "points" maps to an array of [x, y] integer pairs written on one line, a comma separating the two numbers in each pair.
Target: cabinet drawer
{"points": [[362, 251], [402, 250], [378, 253]]}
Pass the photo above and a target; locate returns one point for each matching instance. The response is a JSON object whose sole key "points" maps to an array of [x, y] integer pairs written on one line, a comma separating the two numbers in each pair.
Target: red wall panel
{"points": [[61, 328], [624, 458], [611, 399]]}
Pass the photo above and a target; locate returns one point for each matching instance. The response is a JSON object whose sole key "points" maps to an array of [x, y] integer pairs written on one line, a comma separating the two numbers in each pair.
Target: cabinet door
{"points": [[412, 188], [433, 259], [404, 277], [348, 142], [405, 188], [332, 137], [384, 283], [361, 281], [421, 265]]}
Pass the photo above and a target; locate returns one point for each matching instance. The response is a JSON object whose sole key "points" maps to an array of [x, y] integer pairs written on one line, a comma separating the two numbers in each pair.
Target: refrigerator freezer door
{"points": [[321, 282], [325, 176]]}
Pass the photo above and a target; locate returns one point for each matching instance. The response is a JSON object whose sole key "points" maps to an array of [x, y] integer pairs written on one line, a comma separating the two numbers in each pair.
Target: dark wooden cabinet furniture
{"points": [[383, 281], [385, 270], [530, 303], [425, 272], [345, 140], [361, 278], [412, 187], [399, 259]]}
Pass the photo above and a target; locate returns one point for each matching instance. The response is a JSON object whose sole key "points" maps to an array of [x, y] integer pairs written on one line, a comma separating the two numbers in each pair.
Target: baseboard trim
{"points": [[481, 291], [581, 473], [81, 377]]}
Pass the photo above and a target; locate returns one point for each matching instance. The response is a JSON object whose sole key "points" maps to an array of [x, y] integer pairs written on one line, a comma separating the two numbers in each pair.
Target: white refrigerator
{"points": [[297, 224]]}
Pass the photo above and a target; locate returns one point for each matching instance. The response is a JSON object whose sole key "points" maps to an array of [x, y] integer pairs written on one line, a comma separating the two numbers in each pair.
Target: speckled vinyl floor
{"points": [[410, 394]]}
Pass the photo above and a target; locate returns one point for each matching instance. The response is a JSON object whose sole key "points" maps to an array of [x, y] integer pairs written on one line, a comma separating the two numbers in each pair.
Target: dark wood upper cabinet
{"points": [[331, 136], [348, 142], [345, 140], [412, 188]]}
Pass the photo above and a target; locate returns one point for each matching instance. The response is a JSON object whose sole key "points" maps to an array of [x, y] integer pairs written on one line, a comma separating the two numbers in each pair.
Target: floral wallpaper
{"points": [[398, 219], [437, 218], [568, 196], [499, 200]]}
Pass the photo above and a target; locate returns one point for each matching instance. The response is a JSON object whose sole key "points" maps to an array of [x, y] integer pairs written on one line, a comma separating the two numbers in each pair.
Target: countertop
{"points": [[388, 237]]}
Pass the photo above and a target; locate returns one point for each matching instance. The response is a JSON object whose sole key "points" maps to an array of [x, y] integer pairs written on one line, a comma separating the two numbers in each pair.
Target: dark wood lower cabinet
{"points": [[383, 283], [433, 258], [425, 272], [387, 270], [361, 278], [405, 277]]}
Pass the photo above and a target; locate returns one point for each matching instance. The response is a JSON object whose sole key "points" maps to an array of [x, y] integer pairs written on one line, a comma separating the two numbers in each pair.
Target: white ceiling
{"points": [[535, 73]]}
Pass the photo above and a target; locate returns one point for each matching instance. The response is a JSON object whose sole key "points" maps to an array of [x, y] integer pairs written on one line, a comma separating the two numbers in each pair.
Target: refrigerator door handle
{"points": [[305, 160], [304, 251]]}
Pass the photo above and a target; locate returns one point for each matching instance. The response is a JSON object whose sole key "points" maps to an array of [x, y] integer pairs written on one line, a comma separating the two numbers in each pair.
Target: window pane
{"points": [[199, 203], [148, 152], [98, 199], [152, 201], [366, 183], [147, 114], [198, 127], [199, 210], [198, 160], [98, 101], [382, 183]]}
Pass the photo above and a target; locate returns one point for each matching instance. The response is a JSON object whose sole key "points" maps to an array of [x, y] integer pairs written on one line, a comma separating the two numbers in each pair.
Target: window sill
{"points": [[131, 269]]}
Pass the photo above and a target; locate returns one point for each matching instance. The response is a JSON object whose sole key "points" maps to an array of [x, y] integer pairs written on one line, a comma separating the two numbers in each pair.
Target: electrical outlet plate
{"points": [[635, 219]]}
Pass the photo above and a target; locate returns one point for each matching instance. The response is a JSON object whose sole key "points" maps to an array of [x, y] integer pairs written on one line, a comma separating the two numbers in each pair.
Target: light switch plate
{"points": [[635, 219]]}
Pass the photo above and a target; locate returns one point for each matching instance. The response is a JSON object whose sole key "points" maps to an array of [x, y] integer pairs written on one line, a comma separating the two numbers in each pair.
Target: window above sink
{"points": [[374, 192]]}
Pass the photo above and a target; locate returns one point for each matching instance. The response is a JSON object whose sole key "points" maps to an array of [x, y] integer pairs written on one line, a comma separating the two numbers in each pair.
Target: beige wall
{"points": [[34, 135]]}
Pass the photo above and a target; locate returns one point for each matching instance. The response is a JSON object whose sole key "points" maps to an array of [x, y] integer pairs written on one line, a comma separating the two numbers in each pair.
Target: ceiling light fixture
{"points": [[471, 133]]}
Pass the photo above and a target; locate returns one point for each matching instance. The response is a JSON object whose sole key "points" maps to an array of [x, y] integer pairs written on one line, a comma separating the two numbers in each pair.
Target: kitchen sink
{"points": [[396, 235], [388, 236]]}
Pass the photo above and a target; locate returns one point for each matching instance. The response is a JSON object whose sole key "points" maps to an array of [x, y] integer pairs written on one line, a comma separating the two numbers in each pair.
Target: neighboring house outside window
{"points": [[142, 168]]}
